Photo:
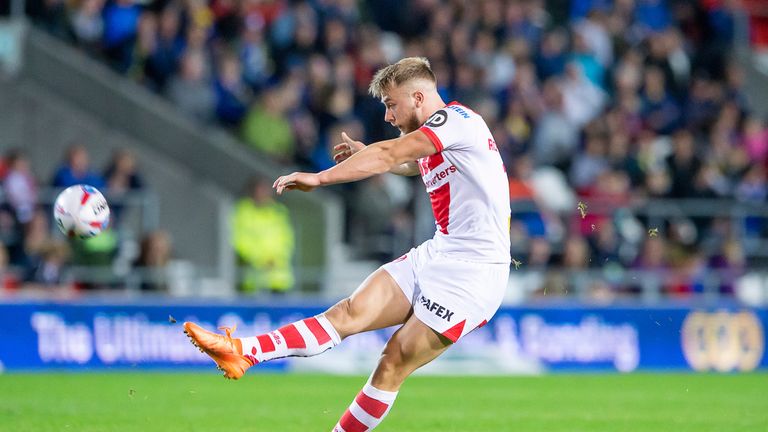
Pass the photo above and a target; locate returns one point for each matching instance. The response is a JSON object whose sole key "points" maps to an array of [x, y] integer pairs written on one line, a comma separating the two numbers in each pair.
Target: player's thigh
{"points": [[377, 303], [411, 347]]}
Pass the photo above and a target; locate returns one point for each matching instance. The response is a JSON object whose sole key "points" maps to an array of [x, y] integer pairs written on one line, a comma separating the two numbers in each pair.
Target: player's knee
{"points": [[342, 317], [394, 364]]}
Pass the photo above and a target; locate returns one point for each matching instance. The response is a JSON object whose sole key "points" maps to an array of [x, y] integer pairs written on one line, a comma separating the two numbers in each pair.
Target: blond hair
{"points": [[407, 69]]}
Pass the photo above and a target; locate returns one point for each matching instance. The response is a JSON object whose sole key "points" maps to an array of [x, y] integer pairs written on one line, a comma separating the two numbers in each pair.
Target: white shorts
{"points": [[451, 296]]}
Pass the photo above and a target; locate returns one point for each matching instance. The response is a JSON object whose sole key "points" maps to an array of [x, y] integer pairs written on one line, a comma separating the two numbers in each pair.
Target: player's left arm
{"points": [[376, 158]]}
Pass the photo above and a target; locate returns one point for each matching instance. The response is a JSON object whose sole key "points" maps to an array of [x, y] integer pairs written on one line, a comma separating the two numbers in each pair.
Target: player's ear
{"points": [[418, 98]]}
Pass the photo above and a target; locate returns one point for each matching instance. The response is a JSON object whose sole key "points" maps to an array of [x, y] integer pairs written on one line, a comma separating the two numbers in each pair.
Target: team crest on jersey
{"points": [[437, 119]]}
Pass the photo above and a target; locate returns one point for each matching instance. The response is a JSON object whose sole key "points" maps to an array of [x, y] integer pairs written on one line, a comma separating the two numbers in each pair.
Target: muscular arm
{"points": [[343, 151], [396, 155]]}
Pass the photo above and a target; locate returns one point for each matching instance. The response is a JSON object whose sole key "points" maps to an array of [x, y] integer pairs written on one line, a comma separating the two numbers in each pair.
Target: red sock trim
{"points": [[374, 407], [292, 336], [351, 424], [266, 344], [317, 330]]}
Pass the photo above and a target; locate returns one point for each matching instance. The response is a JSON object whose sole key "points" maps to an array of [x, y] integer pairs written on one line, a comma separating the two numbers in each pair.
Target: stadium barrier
{"points": [[92, 335]]}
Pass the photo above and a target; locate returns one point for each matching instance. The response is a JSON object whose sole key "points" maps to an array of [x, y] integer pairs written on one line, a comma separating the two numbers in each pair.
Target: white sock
{"points": [[367, 410], [304, 338]]}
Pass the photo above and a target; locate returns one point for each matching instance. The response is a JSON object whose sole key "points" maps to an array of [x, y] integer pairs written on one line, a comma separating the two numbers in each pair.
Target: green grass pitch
{"points": [[183, 402]]}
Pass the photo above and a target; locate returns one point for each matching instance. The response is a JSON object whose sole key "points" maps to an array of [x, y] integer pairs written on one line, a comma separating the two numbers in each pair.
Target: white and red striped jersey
{"points": [[468, 187]]}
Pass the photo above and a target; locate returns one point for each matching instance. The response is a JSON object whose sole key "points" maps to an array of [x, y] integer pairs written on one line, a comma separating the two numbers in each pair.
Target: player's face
{"points": [[401, 110]]}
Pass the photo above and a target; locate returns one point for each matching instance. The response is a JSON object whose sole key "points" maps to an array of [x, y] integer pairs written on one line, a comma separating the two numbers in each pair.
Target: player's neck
{"points": [[431, 107]]}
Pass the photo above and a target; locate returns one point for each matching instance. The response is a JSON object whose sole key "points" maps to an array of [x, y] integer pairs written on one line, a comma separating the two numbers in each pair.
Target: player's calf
{"points": [[304, 338]]}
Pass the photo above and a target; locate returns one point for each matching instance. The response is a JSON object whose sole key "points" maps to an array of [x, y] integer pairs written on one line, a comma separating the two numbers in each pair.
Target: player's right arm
{"points": [[343, 151]]}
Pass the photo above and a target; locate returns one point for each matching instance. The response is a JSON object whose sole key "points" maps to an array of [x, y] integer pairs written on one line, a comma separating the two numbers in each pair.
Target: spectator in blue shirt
{"points": [[76, 170]]}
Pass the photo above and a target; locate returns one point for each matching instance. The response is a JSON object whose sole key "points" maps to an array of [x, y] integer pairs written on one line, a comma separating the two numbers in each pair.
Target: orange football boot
{"points": [[223, 349]]}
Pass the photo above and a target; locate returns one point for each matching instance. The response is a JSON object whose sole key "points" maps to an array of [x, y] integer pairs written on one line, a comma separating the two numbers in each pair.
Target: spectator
{"points": [[122, 178], [191, 90], [45, 257], [121, 18], [266, 127], [98, 252], [683, 165], [654, 254], [19, 186], [522, 197], [588, 166], [605, 245], [660, 111], [730, 264], [144, 47], [121, 175], [49, 267], [232, 94], [263, 238], [76, 170], [12, 236], [552, 56], [154, 256], [164, 59], [556, 135], [755, 138], [87, 25], [254, 54]]}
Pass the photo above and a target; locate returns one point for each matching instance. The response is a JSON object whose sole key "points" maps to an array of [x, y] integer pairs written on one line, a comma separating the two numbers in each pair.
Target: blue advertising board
{"points": [[89, 335]]}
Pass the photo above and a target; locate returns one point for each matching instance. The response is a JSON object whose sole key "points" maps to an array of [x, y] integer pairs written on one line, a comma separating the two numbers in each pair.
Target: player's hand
{"points": [[302, 181], [347, 148]]}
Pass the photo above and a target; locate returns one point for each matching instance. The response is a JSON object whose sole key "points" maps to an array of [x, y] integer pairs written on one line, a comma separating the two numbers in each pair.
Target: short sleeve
{"points": [[450, 128]]}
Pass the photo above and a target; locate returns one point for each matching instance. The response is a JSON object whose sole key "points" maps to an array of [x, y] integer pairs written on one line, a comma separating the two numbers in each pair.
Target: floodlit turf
{"points": [[147, 402]]}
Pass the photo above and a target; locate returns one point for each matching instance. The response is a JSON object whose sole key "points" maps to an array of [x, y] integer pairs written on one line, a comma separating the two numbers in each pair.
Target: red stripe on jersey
{"points": [[292, 336], [434, 161], [454, 333], [266, 344], [375, 408], [317, 330], [351, 424], [441, 203], [432, 137], [427, 164]]}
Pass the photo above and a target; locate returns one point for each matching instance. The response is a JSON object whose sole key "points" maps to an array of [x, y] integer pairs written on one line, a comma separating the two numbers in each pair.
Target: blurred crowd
{"points": [[604, 102], [33, 253]]}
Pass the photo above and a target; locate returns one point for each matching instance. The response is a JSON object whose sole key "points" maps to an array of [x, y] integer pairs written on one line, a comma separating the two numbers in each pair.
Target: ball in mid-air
{"points": [[81, 211]]}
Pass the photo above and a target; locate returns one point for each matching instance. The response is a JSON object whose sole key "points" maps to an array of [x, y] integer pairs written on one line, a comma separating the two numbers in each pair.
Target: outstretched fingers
{"points": [[343, 151], [284, 182]]}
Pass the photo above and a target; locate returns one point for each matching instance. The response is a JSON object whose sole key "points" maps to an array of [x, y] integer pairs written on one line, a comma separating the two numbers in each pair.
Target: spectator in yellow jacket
{"points": [[263, 239]]}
